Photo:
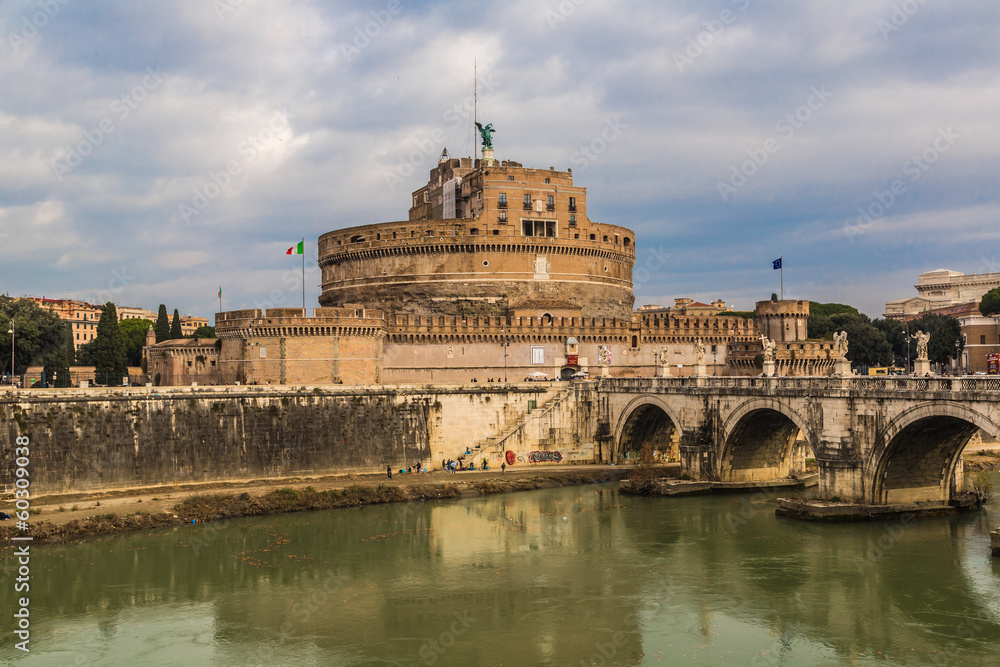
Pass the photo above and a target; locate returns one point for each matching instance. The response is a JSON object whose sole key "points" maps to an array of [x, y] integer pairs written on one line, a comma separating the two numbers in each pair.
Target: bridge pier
{"points": [[841, 480]]}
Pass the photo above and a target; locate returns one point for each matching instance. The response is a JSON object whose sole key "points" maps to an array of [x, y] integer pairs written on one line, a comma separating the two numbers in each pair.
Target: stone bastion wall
{"points": [[462, 267], [89, 439]]}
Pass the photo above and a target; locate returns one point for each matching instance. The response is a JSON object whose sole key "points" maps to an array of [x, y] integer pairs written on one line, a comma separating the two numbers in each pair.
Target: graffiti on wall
{"points": [[541, 457], [511, 458]]}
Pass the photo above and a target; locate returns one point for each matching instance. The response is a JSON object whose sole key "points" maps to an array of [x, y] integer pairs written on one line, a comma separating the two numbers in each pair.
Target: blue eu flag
{"points": [[776, 264]]}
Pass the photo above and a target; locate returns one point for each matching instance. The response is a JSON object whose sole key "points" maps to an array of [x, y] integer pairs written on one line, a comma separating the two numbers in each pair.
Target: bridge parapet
{"points": [[818, 384]]}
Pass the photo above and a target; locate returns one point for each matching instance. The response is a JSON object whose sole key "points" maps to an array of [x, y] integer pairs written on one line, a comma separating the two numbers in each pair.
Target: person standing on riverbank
{"points": [[503, 467], [388, 472]]}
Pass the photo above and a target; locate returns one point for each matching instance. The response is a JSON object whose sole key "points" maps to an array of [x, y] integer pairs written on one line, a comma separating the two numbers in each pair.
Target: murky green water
{"points": [[561, 577]]}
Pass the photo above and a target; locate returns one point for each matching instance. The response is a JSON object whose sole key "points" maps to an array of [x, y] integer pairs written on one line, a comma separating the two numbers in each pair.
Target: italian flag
{"points": [[295, 249]]}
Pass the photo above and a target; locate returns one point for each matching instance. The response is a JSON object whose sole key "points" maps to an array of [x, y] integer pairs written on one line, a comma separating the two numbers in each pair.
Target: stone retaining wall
{"points": [[101, 438]]}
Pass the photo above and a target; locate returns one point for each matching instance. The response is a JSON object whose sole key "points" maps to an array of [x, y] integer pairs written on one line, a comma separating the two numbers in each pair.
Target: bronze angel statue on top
{"points": [[486, 133]]}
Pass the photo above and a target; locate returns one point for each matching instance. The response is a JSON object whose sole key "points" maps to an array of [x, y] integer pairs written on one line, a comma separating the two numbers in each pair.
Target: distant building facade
{"points": [[81, 316], [940, 289]]}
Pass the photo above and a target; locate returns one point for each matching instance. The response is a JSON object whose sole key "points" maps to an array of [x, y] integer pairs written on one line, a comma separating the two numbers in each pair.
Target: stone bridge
{"points": [[877, 440]]}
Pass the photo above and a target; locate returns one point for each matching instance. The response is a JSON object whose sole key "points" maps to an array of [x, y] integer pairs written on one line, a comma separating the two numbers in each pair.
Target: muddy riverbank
{"points": [[56, 519]]}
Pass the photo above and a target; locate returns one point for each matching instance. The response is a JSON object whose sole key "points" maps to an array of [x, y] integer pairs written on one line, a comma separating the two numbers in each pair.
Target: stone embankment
{"points": [[130, 513], [995, 542]]}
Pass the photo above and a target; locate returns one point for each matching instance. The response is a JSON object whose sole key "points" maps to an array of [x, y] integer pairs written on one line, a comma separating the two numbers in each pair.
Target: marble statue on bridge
{"points": [[840, 342], [922, 338], [769, 347], [699, 352]]}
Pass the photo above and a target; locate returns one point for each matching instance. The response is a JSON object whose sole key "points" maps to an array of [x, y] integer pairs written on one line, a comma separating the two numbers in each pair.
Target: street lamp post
{"points": [[906, 356], [11, 332], [958, 363]]}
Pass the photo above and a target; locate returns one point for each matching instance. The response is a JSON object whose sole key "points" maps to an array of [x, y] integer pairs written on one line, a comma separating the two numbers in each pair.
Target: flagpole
{"points": [[781, 263], [303, 275]]}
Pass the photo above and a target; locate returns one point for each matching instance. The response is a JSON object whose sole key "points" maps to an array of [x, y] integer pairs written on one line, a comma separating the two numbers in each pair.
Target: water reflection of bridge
{"points": [[876, 440]]}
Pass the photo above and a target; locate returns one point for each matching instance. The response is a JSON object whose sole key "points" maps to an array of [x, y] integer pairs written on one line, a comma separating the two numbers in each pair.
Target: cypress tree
{"points": [[109, 355], [175, 326], [162, 327]]}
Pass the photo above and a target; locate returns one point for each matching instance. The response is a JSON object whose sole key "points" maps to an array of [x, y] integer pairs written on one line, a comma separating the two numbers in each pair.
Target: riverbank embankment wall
{"points": [[89, 439]]}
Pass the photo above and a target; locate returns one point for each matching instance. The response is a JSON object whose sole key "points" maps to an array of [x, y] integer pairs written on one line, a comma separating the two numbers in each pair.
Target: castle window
{"points": [[576, 236], [496, 232], [550, 204], [358, 239], [503, 216], [502, 200], [527, 227], [394, 235], [412, 233], [572, 203], [593, 237], [628, 241], [572, 220], [430, 232], [550, 228], [486, 263], [546, 180], [510, 178], [527, 202], [605, 238]]}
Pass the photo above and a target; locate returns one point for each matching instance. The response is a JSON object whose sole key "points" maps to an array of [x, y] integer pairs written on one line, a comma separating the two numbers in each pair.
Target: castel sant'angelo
{"points": [[498, 273]]}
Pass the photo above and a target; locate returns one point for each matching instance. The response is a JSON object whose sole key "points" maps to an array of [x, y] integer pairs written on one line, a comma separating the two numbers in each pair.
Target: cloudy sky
{"points": [[151, 152]]}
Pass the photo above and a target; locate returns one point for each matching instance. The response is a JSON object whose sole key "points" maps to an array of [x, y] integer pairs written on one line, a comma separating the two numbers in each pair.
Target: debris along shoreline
{"points": [[207, 506]]}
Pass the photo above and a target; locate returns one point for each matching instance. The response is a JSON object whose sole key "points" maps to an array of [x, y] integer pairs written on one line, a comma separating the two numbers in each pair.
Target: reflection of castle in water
{"points": [[357, 585]]}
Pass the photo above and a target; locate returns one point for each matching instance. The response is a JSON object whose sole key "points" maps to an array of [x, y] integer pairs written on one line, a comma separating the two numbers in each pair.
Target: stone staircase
{"points": [[494, 447]]}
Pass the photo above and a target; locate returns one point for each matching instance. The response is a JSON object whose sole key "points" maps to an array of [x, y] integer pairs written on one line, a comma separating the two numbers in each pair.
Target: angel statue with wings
{"points": [[486, 133]]}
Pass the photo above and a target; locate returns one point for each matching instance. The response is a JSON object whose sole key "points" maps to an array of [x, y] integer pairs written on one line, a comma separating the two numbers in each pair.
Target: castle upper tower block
{"points": [[485, 238]]}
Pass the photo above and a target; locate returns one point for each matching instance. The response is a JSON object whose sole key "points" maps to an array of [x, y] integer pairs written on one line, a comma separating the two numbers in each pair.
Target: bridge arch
{"points": [[917, 454], [758, 441], [646, 418]]}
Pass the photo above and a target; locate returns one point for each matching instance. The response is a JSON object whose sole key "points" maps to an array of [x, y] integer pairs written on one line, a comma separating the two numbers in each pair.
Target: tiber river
{"points": [[558, 577]]}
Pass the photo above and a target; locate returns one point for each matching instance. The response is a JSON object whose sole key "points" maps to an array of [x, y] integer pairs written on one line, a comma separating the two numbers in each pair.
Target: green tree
{"points": [[69, 360], [204, 332], [85, 353], [37, 333], [109, 353], [944, 331], [134, 339], [990, 304], [895, 334], [820, 327], [867, 344], [175, 326], [162, 328], [56, 367]]}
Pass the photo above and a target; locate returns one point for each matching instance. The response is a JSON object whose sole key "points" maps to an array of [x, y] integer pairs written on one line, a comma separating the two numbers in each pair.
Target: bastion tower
{"points": [[485, 238]]}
